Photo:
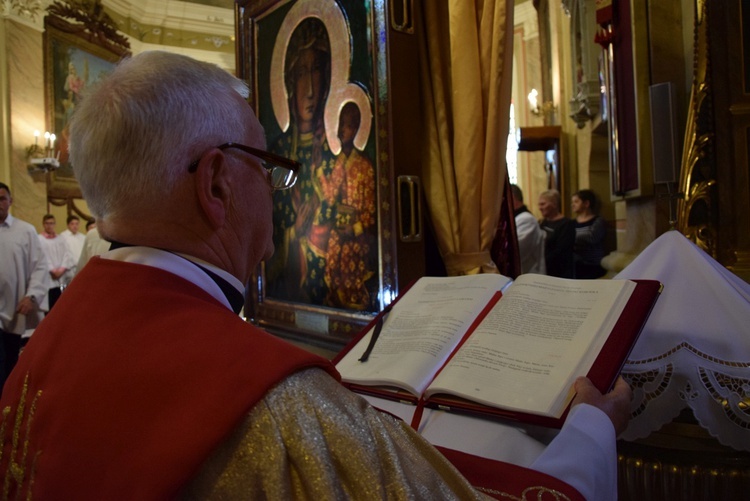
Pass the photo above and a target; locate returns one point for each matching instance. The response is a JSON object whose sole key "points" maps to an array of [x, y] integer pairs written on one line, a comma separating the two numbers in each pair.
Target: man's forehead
{"points": [[257, 132]]}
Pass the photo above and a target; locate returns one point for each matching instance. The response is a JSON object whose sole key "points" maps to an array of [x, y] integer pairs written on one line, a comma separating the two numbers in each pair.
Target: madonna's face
{"points": [[309, 78]]}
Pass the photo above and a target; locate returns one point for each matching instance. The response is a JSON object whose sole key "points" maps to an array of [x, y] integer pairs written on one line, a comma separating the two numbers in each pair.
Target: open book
{"points": [[485, 344]]}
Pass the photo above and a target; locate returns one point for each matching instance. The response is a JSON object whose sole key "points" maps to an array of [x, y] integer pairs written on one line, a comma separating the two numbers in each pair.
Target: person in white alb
{"points": [[530, 235], [60, 261], [93, 245], [23, 282], [73, 237]]}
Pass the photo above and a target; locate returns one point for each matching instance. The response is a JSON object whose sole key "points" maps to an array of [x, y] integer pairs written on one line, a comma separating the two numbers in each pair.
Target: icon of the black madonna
{"points": [[325, 226]]}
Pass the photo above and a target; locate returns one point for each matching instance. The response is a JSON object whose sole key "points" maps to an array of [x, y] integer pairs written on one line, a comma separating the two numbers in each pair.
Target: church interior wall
{"points": [[666, 29], [200, 31], [25, 81]]}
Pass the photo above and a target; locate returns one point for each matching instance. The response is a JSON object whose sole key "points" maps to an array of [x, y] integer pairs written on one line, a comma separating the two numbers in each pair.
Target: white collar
{"points": [[181, 265], [8, 221]]}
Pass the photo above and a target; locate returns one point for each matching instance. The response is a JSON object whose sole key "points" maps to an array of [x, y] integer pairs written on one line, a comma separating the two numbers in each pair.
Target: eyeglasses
{"points": [[283, 170]]}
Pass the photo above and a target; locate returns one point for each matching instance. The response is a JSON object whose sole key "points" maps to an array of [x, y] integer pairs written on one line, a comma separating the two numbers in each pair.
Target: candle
{"points": [[533, 100], [52, 138], [36, 138]]}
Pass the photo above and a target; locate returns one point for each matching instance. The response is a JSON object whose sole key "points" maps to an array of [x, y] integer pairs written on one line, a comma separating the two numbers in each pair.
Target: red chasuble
{"points": [[137, 375], [128, 385], [508, 481]]}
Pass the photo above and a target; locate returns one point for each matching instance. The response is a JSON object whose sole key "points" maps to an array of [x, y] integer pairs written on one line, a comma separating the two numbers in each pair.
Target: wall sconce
{"points": [[546, 108], [43, 158]]}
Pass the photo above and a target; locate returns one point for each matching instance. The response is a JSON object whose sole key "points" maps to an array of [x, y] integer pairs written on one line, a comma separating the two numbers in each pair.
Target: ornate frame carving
{"points": [[696, 211], [585, 55], [362, 78]]}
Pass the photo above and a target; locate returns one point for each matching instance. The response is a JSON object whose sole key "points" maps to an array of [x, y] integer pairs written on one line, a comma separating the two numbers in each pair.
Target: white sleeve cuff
{"points": [[584, 454]]}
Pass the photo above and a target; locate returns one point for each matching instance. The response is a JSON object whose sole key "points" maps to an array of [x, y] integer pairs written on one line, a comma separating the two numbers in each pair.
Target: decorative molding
{"points": [[88, 20], [585, 53], [525, 16], [27, 12], [186, 25], [696, 212], [30, 9], [176, 15]]}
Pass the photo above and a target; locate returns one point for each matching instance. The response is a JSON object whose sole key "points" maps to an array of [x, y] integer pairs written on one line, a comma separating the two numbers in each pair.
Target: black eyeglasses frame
{"points": [[266, 156]]}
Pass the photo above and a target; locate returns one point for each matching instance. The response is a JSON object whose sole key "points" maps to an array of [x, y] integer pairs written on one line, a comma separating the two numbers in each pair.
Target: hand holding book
{"points": [[615, 404]]}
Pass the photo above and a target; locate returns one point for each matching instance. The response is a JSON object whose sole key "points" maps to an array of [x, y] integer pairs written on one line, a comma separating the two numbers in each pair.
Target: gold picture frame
{"points": [[75, 56], [357, 77]]}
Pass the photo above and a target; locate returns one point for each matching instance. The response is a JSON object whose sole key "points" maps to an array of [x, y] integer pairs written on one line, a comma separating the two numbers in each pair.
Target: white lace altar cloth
{"points": [[694, 350]]}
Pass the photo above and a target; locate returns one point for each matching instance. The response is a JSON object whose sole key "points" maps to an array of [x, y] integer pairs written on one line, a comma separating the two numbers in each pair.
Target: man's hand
{"points": [[25, 306], [615, 404], [58, 272]]}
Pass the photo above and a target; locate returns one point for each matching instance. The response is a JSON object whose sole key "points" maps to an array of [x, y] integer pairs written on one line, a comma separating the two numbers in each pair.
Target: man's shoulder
{"points": [[70, 236], [525, 218], [22, 226], [20, 229]]}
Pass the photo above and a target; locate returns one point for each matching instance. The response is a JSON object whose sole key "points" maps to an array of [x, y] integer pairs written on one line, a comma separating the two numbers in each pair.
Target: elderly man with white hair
{"points": [[144, 383]]}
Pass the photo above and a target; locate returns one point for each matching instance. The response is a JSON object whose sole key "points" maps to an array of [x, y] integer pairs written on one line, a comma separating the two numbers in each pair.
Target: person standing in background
{"points": [[60, 260], [73, 237], [560, 236], [23, 282], [93, 245], [530, 235], [590, 231]]}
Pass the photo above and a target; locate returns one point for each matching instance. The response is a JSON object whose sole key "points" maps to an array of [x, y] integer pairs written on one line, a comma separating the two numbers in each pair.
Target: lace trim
{"points": [[687, 346], [718, 392]]}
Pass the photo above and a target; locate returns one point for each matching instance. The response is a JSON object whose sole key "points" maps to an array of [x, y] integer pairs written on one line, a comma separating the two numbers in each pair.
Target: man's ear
{"points": [[212, 187]]}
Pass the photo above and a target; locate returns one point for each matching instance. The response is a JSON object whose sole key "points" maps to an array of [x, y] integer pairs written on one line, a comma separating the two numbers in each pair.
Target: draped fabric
{"points": [[466, 79]]}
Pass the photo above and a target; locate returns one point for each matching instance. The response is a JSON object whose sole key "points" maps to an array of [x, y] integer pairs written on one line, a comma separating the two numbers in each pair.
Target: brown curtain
{"points": [[467, 52]]}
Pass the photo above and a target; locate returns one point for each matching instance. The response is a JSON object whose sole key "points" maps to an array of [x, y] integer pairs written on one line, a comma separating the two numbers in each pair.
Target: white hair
{"points": [[553, 197], [135, 133]]}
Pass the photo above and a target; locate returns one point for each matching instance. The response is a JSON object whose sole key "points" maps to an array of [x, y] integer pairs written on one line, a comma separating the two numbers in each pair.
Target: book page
{"points": [[532, 345], [421, 331]]}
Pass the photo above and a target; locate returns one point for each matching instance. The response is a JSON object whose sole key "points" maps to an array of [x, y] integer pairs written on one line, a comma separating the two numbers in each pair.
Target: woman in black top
{"points": [[590, 232], [560, 236]]}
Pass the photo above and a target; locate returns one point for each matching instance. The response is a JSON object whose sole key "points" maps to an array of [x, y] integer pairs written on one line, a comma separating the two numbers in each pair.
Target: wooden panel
{"points": [[729, 29]]}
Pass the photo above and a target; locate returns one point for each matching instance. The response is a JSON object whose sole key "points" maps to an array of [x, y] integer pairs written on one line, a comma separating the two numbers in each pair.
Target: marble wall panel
{"points": [[26, 110]]}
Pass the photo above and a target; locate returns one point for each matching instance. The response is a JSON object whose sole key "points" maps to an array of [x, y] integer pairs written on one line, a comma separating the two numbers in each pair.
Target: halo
{"points": [[333, 19], [350, 92]]}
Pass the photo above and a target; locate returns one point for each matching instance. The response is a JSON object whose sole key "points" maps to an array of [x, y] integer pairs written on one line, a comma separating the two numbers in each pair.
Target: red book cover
{"points": [[603, 372]]}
